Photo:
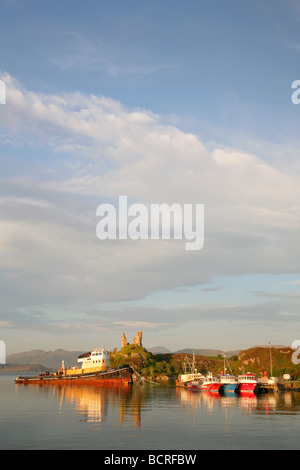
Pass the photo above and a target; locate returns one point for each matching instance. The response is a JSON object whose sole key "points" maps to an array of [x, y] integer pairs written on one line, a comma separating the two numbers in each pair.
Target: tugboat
{"points": [[95, 369]]}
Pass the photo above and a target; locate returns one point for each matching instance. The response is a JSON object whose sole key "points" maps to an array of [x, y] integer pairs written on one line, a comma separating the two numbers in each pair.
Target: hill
{"points": [[255, 360], [159, 350], [258, 360], [162, 365]]}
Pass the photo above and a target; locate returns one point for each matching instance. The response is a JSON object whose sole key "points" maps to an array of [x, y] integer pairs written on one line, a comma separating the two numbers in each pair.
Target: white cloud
{"points": [[102, 150]]}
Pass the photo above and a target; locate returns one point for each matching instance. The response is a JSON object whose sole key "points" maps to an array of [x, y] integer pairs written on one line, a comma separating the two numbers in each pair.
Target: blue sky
{"points": [[165, 102]]}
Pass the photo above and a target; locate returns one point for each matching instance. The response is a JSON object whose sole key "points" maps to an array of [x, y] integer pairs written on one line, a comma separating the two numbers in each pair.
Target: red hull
{"points": [[247, 388], [213, 387], [102, 383], [110, 377], [195, 388]]}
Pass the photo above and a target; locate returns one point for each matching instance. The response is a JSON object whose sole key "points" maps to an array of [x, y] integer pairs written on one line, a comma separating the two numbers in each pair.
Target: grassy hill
{"points": [[255, 360], [158, 365], [258, 360]]}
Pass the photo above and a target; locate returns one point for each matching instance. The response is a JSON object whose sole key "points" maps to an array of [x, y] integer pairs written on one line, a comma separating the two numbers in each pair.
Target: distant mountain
{"points": [[50, 359], [197, 352], [206, 352], [159, 350], [22, 368]]}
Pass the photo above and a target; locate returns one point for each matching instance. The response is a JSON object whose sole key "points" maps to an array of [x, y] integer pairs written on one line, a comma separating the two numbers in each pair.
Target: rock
{"points": [[138, 339]]}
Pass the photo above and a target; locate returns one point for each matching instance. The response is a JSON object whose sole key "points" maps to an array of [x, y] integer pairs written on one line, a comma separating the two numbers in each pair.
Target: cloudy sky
{"points": [[164, 102]]}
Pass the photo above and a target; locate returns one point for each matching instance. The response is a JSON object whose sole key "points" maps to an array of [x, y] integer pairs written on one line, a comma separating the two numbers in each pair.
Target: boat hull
{"points": [[230, 387], [247, 388], [213, 387], [194, 387], [119, 376]]}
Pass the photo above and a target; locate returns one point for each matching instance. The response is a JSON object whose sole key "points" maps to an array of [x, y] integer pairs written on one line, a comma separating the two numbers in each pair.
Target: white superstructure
{"points": [[98, 359]]}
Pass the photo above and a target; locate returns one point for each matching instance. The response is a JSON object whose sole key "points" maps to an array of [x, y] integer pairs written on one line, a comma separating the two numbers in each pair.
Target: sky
{"points": [[162, 102]]}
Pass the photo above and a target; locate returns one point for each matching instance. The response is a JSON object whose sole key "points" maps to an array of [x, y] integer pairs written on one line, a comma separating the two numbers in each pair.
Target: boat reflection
{"points": [[93, 403], [283, 403]]}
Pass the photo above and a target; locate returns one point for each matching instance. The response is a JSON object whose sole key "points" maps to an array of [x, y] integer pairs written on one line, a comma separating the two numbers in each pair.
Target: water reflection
{"points": [[94, 404], [279, 403]]}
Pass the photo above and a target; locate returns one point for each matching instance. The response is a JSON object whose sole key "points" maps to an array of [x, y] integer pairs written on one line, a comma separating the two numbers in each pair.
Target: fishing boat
{"points": [[211, 384], [205, 384], [247, 383], [190, 373], [229, 382], [94, 368], [195, 385]]}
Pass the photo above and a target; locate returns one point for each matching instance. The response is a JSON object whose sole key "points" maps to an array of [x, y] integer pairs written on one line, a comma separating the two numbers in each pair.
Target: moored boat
{"points": [[229, 383], [211, 384], [205, 384], [195, 385], [247, 383], [185, 379], [95, 368], [190, 374]]}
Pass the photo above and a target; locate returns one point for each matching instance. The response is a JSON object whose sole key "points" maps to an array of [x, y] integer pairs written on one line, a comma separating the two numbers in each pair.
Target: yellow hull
{"points": [[85, 371]]}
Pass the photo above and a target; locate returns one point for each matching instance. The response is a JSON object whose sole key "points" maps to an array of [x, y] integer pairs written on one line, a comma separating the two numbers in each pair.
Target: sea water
{"points": [[145, 416]]}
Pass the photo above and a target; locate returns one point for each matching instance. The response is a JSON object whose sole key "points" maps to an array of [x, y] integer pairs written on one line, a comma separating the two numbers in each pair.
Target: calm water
{"points": [[144, 417]]}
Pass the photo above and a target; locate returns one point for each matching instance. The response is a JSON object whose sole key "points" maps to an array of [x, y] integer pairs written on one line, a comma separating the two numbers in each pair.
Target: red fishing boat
{"points": [[247, 383], [206, 384], [211, 384]]}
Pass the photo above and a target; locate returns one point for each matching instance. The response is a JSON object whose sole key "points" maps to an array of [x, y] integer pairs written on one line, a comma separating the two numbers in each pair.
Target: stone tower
{"points": [[138, 339], [124, 341]]}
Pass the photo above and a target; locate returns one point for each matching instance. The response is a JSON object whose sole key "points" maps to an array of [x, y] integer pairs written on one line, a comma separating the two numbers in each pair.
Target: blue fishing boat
{"points": [[229, 383]]}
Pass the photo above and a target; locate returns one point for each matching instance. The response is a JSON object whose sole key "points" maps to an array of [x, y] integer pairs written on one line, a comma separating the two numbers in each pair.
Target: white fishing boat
{"points": [[190, 373]]}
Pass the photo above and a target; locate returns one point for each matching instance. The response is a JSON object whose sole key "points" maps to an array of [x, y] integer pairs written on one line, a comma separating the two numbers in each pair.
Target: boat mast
{"points": [[225, 358], [271, 367]]}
